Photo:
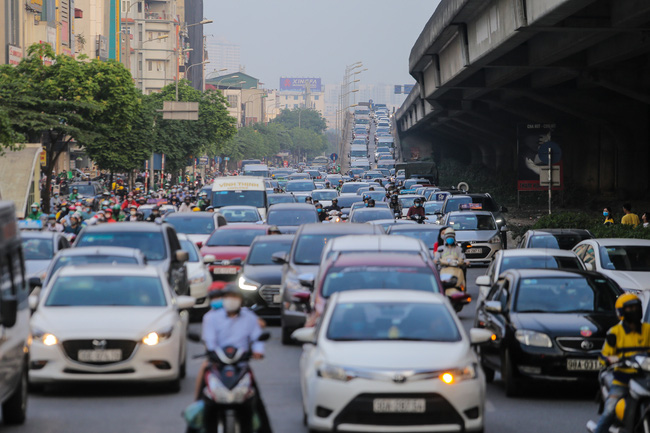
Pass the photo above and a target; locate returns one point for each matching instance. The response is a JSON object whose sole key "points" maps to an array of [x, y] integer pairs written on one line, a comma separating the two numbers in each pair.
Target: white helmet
{"points": [[448, 232]]}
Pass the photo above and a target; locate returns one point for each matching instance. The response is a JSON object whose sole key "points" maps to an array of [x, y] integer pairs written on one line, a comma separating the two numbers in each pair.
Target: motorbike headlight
{"points": [[246, 284], [534, 339], [496, 239], [44, 337], [458, 375], [197, 278], [153, 338], [327, 371]]}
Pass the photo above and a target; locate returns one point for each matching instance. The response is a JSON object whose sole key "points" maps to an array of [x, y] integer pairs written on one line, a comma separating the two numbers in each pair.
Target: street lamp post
{"points": [[186, 71]]}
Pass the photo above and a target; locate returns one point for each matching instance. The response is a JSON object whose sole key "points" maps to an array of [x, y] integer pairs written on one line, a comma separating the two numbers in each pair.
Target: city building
{"points": [[224, 57], [246, 101], [301, 93]]}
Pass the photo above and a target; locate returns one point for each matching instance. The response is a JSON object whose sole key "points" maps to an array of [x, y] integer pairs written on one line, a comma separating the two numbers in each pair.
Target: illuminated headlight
{"points": [[496, 239], [534, 339], [198, 278], [458, 375], [45, 337], [153, 338], [333, 372], [246, 284]]}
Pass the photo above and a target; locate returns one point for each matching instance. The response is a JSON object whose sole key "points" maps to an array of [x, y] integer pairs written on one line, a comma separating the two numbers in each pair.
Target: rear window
{"points": [[244, 237], [555, 241], [152, 244], [291, 217], [374, 277]]}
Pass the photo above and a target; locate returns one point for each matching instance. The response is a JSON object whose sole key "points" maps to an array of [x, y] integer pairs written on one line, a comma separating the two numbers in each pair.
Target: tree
{"points": [[180, 140], [307, 143], [305, 118]]}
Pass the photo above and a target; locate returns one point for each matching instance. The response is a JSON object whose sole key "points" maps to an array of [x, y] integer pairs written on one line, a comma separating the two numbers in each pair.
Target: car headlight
{"points": [[458, 375], [198, 278], [532, 338], [496, 239], [327, 371], [153, 338], [246, 284], [45, 337]]}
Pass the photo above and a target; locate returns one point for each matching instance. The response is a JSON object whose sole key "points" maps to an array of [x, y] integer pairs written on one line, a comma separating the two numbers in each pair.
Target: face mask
{"points": [[449, 241], [133, 212], [418, 205], [320, 210], [215, 304], [231, 304], [605, 213]]}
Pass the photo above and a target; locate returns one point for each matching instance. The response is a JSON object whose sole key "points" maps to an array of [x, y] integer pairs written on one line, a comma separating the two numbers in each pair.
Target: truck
{"points": [[419, 169]]}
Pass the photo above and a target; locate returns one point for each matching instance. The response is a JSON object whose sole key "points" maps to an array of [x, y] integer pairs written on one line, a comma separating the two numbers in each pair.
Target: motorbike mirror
{"points": [[483, 280], [33, 302], [194, 336], [493, 307], [34, 282], [450, 283], [304, 335], [279, 257], [265, 336], [480, 336]]}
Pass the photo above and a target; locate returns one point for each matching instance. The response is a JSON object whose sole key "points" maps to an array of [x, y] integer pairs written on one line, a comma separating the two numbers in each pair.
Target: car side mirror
{"points": [[493, 307], [480, 336], [589, 266], [33, 302], [483, 280], [304, 335], [181, 256], [279, 257], [8, 311], [236, 262], [185, 302], [34, 282], [306, 280], [209, 258]]}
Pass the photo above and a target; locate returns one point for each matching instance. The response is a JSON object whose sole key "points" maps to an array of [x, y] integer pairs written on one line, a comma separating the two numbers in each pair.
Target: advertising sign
{"points": [[15, 54], [299, 84], [531, 137], [102, 48], [408, 88], [398, 89], [35, 5]]}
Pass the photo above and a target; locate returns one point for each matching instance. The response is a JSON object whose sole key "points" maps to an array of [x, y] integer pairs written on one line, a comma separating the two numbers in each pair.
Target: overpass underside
{"points": [[488, 67]]}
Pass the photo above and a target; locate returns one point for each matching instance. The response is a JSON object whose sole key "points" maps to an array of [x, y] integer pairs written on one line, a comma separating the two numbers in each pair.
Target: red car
{"points": [[228, 247]]}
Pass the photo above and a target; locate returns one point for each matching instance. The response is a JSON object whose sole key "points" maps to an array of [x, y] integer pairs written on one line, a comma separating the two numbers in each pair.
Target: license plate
{"points": [[582, 365], [108, 355], [474, 251], [277, 299], [399, 405], [231, 271]]}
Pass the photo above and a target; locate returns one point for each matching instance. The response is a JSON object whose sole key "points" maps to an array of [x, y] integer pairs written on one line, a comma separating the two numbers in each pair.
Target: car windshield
{"points": [[281, 198], [291, 217], [468, 221], [539, 262], [349, 200], [261, 252], [85, 190], [565, 295], [197, 226], [240, 215], [375, 277], [38, 248], [238, 198], [152, 244], [407, 201], [352, 187], [106, 290], [392, 321], [554, 241], [188, 246], [310, 247], [89, 259], [365, 215], [429, 237], [324, 195], [431, 207], [626, 258], [300, 186], [453, 203], [244, 237]]}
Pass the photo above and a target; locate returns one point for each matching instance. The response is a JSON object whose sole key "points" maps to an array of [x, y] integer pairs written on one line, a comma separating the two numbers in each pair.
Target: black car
{"points": [[261, 277], [548, 324], [288, 217], [281, 198], [563, 239], [90, 193]]}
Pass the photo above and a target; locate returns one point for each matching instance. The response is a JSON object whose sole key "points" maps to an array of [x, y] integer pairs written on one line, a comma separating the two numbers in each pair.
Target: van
{"points": [[245, 162], [14, 319], [358, 151], [257, 170], [240, 191]]}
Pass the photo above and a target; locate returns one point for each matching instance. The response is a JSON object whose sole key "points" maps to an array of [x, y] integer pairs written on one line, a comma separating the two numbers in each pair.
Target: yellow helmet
{"points": [[196, 209], [626, 300]]}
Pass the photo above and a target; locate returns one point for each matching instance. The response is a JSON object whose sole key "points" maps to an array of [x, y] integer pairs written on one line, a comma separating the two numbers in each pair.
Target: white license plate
{"points": [[277, 299], [474, 251], [108, 355], [582, 365], [399, 405], [230, 271]]}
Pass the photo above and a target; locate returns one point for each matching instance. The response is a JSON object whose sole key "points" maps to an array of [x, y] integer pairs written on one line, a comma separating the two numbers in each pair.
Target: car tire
{"points": [[14, 410], [511, 381], [286, 333]]}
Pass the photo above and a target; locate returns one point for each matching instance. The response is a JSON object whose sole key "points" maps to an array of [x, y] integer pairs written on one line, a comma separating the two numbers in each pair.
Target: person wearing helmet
{"points": [[309, 200], [334, 206], [370, 202], [274, 230], [109, 215], [395, 205], [132, 216], [186, 206], [416, 209], [53, 225], [155, 214], [203, 201], [449, 250], [75, 194], [35, 213], [75, 224], [128, 202], [621, 340], [338, 188]]}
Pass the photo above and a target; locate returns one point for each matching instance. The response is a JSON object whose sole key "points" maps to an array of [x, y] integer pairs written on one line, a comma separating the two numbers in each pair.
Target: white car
{"points": [[626, 261], [110, 323], [241, 214], [391, 361], [198, 274]]}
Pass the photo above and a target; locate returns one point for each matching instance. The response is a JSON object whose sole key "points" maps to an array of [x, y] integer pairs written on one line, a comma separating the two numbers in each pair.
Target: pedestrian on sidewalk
{"points": [[645, 218], [629, 218], [609, 217]]}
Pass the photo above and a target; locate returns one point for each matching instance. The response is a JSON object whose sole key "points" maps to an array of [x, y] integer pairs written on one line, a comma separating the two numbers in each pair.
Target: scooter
{"points": [[229, 397], [452, 275], [633, 410], [419, 219]]}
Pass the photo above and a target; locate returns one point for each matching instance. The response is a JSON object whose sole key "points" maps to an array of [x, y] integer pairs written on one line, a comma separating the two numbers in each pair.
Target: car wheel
{"points": [[511, 381], [14, 410]]}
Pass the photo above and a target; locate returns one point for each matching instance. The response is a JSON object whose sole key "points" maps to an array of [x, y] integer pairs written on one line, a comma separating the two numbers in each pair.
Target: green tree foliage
{"points": [[305, 118], [307, 143], [180, 140], [258, 141]]}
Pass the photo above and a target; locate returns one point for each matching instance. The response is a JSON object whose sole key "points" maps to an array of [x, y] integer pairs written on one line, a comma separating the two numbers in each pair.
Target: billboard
{"points": [[298, 84], [531, 137]]}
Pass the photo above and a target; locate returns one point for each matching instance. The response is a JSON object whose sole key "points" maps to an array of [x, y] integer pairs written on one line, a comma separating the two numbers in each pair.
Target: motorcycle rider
{"points": [[155, 213], [450, 250], [628, 334], [187, 205], [370, 202], [53, 225], [334, 206], [132, 216], [416, 209], [75, 194], [322, 215], [35, 214], [395, 205]]}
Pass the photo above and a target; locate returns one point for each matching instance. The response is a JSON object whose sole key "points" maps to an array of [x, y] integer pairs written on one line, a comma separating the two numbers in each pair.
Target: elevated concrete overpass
{"points": [[486, 67]]}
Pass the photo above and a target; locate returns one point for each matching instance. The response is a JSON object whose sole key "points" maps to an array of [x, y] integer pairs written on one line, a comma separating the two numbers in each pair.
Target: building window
{"points": [[158, 66], [232, 100], [149, 65], [140, 65], [295, 98]]}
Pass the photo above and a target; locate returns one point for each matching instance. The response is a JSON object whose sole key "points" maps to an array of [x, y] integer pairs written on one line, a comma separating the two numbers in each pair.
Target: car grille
{"points": [[360, 411], [72, 348], [485, 251], [267, 293], [580, 345]]}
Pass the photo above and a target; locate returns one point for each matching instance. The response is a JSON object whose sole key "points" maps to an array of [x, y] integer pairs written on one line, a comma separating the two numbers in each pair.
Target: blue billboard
{"points": [[408, 88], [299, 84]]}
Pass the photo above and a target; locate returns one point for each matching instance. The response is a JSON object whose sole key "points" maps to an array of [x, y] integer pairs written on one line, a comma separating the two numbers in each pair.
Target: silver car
{"points": [[479, 229]]}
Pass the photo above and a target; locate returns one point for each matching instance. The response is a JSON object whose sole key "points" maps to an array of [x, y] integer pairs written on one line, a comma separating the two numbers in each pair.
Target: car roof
{"points": [[306, 179], [180, 215], [33, 234], [112, 251], [347, 228], [102, 269], [549, 273], [292, 206], [527, 252], [378, 259], [238, 207], [388, 295], [581, 232], [419, 227], [324, 190], [245, 226], [275, 238], [360, 242], [470, 212], [611, 242]]}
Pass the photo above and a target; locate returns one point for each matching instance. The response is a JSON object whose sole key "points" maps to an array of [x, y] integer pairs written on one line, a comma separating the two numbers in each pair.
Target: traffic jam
{"points": [[407, 297]]}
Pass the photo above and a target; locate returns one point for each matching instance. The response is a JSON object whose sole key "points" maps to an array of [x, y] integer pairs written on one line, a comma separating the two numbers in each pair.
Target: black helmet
{"points": [[417, 200], [371, 202], [393, 197], [155, 208]]}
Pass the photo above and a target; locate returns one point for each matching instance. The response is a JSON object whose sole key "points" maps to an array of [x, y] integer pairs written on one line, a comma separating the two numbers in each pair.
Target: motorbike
{"points": [[452, 275], [633, 410], [229, 395], [419, 219]]}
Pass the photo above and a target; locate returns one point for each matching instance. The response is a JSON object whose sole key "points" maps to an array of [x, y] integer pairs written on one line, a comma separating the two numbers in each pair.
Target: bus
{"points": [[257, 170], [320, 160], [240, 191], [245, 162], [14, 319]]}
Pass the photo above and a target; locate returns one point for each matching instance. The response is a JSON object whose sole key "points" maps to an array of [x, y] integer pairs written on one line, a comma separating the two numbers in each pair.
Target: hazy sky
{"points": [[308, 38]]}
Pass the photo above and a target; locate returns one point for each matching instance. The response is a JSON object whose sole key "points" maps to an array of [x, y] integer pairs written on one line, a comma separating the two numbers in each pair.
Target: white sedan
{"points": [[110, 323], [389, 361], [198, 273]]}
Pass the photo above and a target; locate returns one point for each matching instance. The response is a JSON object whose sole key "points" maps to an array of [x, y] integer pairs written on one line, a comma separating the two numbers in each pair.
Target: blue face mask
{"points": [[418, 204], [605, 213], [449, 241], [215, 304], [319, 210]]}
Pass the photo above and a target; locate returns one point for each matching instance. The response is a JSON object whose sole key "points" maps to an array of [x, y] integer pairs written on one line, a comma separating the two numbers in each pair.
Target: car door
{"points": [[496, 323]]}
